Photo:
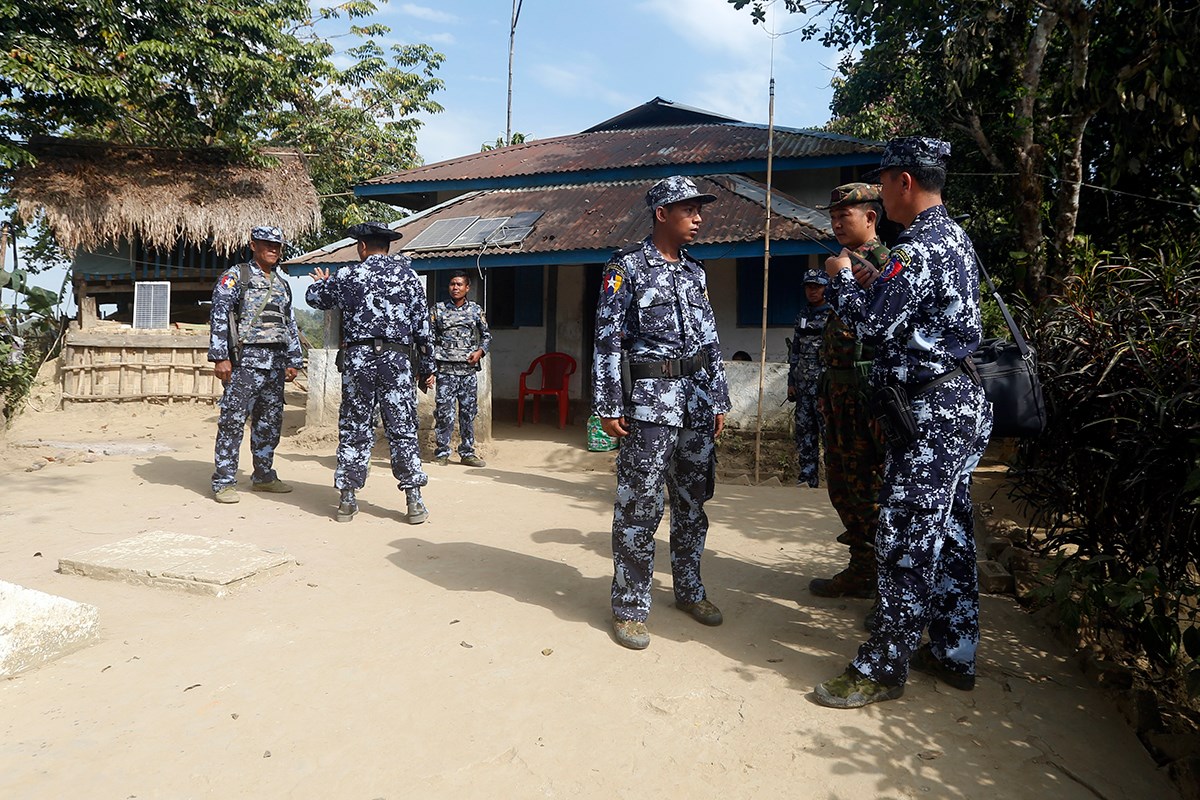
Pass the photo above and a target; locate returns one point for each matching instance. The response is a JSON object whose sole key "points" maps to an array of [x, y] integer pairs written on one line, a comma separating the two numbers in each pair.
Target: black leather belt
{"points": [[379, 345], [921, 388], [267, 345], [670, 368]]}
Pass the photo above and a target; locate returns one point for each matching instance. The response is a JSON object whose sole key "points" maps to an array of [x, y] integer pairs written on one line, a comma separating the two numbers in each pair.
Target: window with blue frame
{"points": [[785, 287], [515, 296]]}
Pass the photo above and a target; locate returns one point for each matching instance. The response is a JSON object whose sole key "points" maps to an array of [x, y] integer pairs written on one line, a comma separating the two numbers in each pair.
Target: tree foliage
{"points": [[204, 73], [1046, 95]]}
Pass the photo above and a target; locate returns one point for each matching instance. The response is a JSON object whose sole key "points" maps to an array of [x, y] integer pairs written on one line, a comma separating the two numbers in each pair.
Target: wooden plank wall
{"points": [[116, 367]]}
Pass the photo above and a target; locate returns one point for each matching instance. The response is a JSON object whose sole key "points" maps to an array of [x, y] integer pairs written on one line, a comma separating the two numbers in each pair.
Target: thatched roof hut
{"points": [[92, 194]]}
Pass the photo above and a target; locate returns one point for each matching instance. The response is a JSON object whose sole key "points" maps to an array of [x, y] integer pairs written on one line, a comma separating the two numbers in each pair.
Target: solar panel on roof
{"points": [[510, 235], [480, 232], [523, 219], [441, 233]]}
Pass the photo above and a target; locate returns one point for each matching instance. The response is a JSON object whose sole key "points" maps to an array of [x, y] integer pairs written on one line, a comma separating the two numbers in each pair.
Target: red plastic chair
{"points": [[556, 369]]}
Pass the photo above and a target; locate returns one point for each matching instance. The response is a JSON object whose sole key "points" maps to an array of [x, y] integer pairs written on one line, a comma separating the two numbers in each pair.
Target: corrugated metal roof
{"points": [[669, 145], [602, 217]]}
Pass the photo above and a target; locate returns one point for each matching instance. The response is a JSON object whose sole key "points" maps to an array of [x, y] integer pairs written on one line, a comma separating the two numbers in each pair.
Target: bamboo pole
{"points": [[762, 353]]}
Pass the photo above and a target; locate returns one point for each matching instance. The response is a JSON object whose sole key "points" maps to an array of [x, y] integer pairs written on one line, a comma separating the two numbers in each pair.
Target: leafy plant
{"points": [[27, 331], [1115, 478]]}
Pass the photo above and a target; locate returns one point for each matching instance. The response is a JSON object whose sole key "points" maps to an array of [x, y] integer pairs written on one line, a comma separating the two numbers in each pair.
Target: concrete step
{"points": [[197, 564], [36, 627]]}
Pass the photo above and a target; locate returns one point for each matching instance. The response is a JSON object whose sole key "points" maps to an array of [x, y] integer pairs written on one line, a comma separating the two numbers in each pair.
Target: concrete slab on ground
{"points": [[198, 564], [36, 627]]}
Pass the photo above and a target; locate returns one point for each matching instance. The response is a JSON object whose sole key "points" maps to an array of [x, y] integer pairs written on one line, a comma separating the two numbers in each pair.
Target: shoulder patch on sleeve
{"points": [[228, 280], [897, 260], [614, 278]]}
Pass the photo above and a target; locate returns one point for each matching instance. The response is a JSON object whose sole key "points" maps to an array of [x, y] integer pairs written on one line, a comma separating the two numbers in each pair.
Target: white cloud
{"points": [[441, 39], [426, 13], [452, 134], [710, 27], [577, 80]]}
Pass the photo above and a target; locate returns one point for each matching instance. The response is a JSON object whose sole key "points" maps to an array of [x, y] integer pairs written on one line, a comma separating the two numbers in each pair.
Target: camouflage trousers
{"points": [[853, 470], [807, 433], [925, 543], [463, 391], [382, 380], [653, 456], [257, 394]]}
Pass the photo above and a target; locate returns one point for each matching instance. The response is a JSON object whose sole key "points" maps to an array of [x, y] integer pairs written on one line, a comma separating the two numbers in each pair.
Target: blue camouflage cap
{"points": [[267, 233], [816, 276], [675, 189], [912, 151]]}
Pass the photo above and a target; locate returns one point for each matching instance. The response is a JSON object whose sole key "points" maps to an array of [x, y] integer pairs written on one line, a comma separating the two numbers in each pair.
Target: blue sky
{"points": [[579, 63]]}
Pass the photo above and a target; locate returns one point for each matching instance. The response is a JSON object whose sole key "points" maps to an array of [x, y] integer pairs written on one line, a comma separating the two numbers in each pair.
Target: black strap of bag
{"points": [[1010, 379], [1018, 339]]}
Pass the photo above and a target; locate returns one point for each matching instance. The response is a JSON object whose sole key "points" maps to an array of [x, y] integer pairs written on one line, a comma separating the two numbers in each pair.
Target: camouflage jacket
{"points": [[840, 348], [804, 362], [922, 314], [268, 337], [655, 310], [380, 298], [458, 331]]}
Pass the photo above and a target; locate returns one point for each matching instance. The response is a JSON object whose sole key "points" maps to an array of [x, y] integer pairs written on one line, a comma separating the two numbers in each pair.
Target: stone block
{"points": [[993, 578], [993, 546], [324, 396], [36, 627], [197, 564]]}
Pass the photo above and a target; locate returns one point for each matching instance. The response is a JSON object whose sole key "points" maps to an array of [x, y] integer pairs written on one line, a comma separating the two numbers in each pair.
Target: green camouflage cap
{"points": [[849, 194]]}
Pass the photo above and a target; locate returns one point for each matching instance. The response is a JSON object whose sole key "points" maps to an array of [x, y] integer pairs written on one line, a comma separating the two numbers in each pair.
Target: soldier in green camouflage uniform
{"points": [[853, 451]]}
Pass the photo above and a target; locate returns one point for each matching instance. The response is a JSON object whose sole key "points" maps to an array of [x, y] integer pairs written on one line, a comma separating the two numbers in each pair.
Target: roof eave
{"points": [[406, 194]]}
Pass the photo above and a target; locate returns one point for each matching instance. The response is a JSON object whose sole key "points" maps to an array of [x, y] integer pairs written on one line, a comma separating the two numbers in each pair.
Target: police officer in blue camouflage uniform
{"points": [[921, 312], [386, 352], [460, 341], [804, 374], [254, 300], [659, 385]]}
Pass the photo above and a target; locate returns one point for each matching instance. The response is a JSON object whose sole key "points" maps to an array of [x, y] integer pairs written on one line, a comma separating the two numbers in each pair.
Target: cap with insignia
{"points": [[675, 189], [267, 233], [912, 151], [816, 276], [373, 230], [849, 194]]}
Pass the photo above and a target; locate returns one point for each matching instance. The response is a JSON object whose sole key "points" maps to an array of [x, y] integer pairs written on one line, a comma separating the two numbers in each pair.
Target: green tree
{"points": [[179, 73], [516, 138], [1023, 83], [200, 73]]}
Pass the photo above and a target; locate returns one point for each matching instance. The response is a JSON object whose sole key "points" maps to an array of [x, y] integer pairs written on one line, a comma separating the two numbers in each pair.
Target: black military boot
{"points": [[417, 512], [348, 506], [845, 584]]}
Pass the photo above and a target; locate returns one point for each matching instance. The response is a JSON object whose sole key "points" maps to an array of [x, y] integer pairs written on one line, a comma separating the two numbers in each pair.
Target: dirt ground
{"points": [[471, 656]]}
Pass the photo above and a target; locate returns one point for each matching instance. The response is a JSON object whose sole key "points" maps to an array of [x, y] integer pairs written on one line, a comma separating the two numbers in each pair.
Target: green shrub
{"points": [[1115, 478]]}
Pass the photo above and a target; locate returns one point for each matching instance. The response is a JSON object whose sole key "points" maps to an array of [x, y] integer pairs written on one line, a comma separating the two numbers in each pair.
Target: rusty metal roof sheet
{"points": [[601, 217], [640, 148]]}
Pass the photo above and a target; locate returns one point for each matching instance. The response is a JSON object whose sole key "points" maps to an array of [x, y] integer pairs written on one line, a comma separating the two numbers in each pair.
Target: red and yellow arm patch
{"points": [[228, 280], [613, 280], [896, 263]]}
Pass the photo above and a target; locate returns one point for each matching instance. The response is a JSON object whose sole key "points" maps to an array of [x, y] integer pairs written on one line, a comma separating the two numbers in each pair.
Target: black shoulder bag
{"points": [[1008, 371]]}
